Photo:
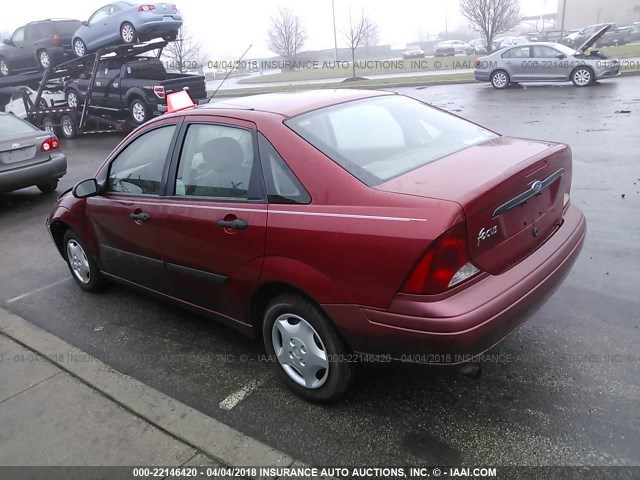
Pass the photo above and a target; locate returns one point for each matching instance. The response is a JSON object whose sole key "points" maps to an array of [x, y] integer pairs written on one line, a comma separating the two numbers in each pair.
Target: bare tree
{"points": [[491, 17], [287, 35], [359, 33], [185, 53]]}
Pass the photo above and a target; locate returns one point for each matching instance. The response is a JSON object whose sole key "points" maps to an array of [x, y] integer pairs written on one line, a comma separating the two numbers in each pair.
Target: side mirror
{"points": [[7, 41], [86, 188], [84, 76], [561, 56], [85, 23]]}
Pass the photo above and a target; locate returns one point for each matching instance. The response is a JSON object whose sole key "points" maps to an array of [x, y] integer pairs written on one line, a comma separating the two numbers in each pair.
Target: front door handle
{"points": [[139, 216], [237, 224]]}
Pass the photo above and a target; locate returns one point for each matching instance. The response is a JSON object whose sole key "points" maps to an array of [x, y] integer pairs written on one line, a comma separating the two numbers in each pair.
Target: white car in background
{"points": [[16, 105]]}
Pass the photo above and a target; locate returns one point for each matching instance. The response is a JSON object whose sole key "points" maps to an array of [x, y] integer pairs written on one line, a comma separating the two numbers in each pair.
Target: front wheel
{"points": [[83, 268], [313, 360], [582, 77], [139, 111], [48, 125], [500, 79], [79, 48]]}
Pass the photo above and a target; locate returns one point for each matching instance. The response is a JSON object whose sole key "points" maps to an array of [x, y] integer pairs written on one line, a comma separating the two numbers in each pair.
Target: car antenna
{"points": [[230, 71]]}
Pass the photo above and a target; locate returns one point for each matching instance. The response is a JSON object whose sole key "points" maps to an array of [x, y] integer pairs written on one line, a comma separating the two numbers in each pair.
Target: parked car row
{"points": [[42, 43]]}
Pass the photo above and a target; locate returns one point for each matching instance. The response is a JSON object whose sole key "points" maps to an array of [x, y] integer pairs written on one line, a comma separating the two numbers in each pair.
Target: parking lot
{"points": [[563, 390]]}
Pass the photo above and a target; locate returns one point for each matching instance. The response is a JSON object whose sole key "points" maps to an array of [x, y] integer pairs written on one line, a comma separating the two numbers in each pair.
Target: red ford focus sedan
{"points": [[332, 224]]}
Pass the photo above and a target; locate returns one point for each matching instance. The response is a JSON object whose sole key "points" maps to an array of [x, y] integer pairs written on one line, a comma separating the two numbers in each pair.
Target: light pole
{"points": [[335, 35]]}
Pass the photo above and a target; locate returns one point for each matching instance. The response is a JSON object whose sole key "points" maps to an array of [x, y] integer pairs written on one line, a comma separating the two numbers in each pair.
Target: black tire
{"points": [[68, 127], [500, 79], [72, 98], [48, 125], [139, 111], [79, 47], [5, 71], [128, 33], [339, 375], [44, 59], [96, 280], [582, 76], [48, 186], [170, 38]]}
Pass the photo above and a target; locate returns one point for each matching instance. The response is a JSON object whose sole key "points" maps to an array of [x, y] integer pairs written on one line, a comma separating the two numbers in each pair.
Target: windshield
{"points": [[377, 139]]}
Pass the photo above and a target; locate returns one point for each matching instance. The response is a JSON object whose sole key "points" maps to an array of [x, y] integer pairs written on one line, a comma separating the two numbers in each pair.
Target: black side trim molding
{"points": [[535, 189], [201, 274], [134, 259]]}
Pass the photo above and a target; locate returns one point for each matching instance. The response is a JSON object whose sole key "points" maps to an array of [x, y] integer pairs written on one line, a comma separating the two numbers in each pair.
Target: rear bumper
{"points": [[468, 323], [24, 177], [481, 76], [157, 25]]}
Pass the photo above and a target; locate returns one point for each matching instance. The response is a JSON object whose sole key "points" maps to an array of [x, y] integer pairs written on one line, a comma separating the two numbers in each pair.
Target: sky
{"points": [[227, 27]]}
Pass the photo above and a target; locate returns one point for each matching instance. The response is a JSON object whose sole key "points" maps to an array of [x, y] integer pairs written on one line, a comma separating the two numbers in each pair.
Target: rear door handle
{"points": [[237, 224], [139, 217]]}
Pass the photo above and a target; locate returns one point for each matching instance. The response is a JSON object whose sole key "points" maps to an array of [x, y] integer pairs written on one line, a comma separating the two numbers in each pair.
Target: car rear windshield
{"points": [[10, 125], [146, 69], [377, 139]]}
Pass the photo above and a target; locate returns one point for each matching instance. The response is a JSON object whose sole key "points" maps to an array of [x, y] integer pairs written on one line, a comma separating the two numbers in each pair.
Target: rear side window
{"points": [[151, 69], [518, 52], [282, 185], [138, 169], [217, 162], [377, 139]]}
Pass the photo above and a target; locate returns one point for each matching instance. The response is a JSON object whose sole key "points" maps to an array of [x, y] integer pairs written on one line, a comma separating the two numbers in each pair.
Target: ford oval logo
{"points": [[536, 186], [15, 145]]}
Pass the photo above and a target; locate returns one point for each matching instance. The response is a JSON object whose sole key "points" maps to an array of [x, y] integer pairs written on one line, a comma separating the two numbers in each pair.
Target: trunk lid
{"points": [[18, 150], [511, 191]]}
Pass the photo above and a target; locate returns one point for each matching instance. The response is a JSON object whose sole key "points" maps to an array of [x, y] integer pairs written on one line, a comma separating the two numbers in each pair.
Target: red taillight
{"points": [[174, 8], [447, 257], [159, 91], [51, 143], [56, 39], [146, 8]]}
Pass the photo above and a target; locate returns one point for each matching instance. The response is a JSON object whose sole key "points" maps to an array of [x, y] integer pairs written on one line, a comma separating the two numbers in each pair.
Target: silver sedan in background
{"points": [[546, 62], [28, 156]]}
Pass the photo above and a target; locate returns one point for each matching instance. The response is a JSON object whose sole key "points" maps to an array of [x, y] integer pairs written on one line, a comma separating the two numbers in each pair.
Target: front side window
{"points": [[18, 35], [216, 161], [544, 52], [138, 169], [377, 139], [99, 15]]}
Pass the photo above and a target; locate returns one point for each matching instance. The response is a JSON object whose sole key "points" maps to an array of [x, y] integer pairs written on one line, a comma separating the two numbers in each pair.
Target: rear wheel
{"points": [[582, 77], [44, 60], [68, 126], [4, 68], [139, 111], [500, 79], [312, 358], [48, 186], [83, 268], [79, 48], [128, 33]]}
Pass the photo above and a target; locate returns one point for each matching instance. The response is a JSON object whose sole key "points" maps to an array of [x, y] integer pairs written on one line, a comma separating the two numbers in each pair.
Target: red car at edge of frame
{"points": [[330, 224]]}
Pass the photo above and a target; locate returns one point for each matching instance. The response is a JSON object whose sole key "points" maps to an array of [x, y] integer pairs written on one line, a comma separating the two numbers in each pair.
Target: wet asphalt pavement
{"points": [[563, 390]]}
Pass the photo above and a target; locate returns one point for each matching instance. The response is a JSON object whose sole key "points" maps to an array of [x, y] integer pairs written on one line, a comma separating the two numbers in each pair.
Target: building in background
{"points": [[580, 13]]}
